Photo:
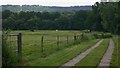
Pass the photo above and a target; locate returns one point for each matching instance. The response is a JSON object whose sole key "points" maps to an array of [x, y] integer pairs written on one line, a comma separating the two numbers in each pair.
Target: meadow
{"points": [[58, 47], [31, 43]]}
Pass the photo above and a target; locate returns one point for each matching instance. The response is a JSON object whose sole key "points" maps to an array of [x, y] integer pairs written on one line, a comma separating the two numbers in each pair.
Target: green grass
{"points": [[62, 56], [116, 53], [94, 57], [31, 46], [48, 32]]}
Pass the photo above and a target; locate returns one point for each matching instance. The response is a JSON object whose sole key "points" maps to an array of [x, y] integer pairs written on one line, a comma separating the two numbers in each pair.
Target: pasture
{"points": [[54, 48]]}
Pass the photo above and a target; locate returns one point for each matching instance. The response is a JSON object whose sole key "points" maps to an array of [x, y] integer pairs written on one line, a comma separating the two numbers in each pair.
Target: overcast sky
{"points": [[49, 2]]}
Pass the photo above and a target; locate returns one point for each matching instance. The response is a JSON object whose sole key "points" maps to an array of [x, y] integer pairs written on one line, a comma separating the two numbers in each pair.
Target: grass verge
{"points": [[116, 54], [94, 57]]}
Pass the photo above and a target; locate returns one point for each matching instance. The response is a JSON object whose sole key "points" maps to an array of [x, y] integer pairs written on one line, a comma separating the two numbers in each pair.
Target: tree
{"points": [[78, 20], [33, 23], [6, 14], [96, 26]]}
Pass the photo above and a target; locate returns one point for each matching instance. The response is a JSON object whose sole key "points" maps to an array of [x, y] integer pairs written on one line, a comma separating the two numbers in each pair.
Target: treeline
{"points": [[38, 8], [103, 17]]}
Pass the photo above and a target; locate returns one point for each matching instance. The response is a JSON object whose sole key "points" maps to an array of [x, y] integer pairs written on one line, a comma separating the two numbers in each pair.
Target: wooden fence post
{"points": [[75, 37], [67, 39], [58, 41], [42, 44], [82, 34], [19, 41]]}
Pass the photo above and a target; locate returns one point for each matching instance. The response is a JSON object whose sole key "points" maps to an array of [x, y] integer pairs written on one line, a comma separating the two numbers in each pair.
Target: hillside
{"points": [[38, 8]]}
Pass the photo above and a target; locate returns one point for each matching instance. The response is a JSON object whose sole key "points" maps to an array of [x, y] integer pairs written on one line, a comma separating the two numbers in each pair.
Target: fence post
{"points": [[75, 37], [42, 44], [19, 41], [58, 41], [67, 39], [82, 35]]}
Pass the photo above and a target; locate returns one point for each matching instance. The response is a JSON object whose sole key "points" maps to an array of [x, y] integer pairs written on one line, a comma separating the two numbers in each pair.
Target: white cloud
{"points": [[50, 2]]}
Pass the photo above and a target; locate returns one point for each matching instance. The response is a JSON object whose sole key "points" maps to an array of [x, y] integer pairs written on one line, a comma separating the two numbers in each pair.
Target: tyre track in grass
{"points": [[105, 61], [78, 58]]}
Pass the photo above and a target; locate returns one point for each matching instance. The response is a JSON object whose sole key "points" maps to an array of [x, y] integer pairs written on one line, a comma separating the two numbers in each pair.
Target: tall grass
{"points": [[115, 57], [8, 57]]}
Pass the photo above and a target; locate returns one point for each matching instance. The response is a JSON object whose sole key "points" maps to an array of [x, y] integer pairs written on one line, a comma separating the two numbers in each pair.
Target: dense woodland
{"points": [[103, 17]]}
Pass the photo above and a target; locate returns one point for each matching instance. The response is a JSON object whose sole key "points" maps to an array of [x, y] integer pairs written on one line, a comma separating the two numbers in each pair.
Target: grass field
{"points": [[33, 40], [56, 55], [64, 55], [94, 57], [31, 46]]}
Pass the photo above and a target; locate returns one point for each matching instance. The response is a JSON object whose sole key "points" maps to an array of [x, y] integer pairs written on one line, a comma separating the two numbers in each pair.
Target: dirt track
{"points": [[105, 62], [78, 58]]}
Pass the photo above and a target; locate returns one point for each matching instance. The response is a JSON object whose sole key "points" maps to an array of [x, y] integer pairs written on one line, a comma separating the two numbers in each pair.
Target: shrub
{"points": [[98, 36], [107, 35], [84, 37], [102, 35]]}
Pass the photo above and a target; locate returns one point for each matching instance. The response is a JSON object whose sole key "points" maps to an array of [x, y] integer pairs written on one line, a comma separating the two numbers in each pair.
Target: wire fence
{"points": [[15, 44], [29, 44]]}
